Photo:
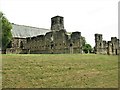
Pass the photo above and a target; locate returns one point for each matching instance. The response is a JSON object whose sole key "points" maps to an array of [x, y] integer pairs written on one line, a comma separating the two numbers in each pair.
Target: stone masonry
{"points": [[103, 47], [55, 41]]}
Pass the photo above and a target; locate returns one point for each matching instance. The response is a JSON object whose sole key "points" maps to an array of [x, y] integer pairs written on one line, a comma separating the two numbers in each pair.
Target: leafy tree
{"points": [[5, 31], [87, 48], [83, 41]]}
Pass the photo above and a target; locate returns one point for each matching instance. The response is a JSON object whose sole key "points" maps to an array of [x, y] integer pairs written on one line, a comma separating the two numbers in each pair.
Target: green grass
{"points": [[59, 71]]}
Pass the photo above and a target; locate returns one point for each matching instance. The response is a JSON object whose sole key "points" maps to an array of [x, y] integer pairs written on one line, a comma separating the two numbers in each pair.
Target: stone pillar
{"points": [[118, 50], [109, 48], [104, 47], [114, 45]]}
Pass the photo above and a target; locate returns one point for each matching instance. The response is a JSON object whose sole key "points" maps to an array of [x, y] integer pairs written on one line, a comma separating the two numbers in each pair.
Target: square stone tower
{"points": [[57, 23], [98, 44]]}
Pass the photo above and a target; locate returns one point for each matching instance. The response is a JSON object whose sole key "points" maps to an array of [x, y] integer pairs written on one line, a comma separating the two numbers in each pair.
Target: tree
{"points": [[87, 48], [5, 31], [83, 40]]}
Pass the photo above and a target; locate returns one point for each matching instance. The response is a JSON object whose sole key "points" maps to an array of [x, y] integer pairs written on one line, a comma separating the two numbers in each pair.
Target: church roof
{"points": [[22, 31]]}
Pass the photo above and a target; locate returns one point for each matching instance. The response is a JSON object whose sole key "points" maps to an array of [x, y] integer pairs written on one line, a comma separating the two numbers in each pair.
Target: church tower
{"points": [[57, 23]]}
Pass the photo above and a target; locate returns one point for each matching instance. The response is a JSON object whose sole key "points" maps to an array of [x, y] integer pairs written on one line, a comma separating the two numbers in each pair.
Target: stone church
{"points": [[55, 40]]}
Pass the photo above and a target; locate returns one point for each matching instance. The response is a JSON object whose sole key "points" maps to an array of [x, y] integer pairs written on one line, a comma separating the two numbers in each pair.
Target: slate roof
{"points": [[22, 31]]}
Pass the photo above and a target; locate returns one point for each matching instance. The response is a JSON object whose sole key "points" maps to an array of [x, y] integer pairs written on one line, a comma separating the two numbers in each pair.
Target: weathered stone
{"points": [[98, 44], [103, 47], [55, 41], [28, 39], [57, 23]]}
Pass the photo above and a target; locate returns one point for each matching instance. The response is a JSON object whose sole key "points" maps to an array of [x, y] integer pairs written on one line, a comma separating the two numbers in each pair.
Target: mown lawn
{"points": [[59, 71]]}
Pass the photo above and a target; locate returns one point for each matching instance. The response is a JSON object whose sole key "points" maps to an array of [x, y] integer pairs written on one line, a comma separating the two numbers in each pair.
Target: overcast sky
{"points": [[87, 16]]}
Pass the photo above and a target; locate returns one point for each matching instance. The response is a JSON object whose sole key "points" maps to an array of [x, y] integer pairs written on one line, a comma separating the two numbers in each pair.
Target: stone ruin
{"points": [[106, 47], [58, 40], [34, 40]]}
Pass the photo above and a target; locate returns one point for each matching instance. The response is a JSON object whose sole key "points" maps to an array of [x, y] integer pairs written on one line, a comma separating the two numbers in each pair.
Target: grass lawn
{"points": [[59, 71]]}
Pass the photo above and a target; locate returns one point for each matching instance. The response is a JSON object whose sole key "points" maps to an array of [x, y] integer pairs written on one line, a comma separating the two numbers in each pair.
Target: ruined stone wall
{"points": [[16, 51], [76, 42], [55, 42], [98, 44], [103, 47], [60, 41], [115, 45], [36, 44], [109, 51], [18, 46], [18, 42]]}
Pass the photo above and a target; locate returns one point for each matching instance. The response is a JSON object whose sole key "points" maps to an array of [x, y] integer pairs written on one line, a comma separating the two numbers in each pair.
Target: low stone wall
{"points": [[16, 51]]}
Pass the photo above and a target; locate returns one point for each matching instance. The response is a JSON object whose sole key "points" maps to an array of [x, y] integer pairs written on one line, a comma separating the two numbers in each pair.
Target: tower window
{"points": [[71, 45], [60, 21]]}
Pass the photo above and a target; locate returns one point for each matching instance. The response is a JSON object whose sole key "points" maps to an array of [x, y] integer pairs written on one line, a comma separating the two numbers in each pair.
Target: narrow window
{"points": [[52, 46], [21, 44]]}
